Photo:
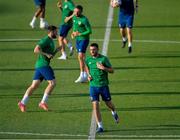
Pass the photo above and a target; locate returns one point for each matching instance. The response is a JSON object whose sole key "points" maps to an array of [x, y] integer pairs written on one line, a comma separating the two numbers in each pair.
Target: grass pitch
{"points": [[145, 86]]}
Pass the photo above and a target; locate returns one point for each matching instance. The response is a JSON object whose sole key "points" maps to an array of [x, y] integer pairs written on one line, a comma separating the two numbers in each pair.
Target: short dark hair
{"points": [[94, 45], [52, 28], [79, 7]]}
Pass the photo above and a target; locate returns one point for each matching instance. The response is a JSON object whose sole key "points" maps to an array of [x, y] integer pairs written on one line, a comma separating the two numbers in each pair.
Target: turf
{"points": [[145, 86]]}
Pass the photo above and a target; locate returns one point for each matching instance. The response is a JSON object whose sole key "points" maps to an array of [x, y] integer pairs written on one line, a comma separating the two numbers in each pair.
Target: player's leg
{"points": [[111, 106], [48, 74], [81, 46], [124, 36], [97, 113], [43, 23], [106, 97], [37, 13], [94, 95], [63, 52], [130, 19], [43, 104], [29, 91], [62, 35], [129, 33], [63, 32], [122, 28], [69, 45]]}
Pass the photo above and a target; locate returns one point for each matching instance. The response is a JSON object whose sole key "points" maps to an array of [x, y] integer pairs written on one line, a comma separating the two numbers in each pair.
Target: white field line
{"points": [[81, 135], [98, 40], [92, 131], [108, 30]]}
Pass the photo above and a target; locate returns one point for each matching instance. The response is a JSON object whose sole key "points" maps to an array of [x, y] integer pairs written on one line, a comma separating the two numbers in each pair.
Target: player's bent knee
{"points": [[52, 84]]}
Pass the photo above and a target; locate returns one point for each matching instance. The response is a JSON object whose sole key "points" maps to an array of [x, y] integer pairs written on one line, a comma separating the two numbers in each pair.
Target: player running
{"points": [[67, 8], [81, 31], [98, 67], [45, 50], [126, 17]]}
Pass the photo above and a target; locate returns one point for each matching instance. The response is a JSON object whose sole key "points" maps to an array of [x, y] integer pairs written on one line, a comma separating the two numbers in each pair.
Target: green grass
{"points": [[145, 86]]}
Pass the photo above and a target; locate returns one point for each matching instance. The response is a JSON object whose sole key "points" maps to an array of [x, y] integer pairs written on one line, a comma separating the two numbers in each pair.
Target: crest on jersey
{"points": [[66, 6], [79, 23]]}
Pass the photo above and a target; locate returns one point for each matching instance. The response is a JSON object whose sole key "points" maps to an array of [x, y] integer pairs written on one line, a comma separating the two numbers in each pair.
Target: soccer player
{"points": [[39, 13], [98, 67], [126, 17], [67, 8], [81, 31], [45, 50]]}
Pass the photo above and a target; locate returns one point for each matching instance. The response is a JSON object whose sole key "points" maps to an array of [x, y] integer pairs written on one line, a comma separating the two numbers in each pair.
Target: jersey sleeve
{"points": [[88, 27], [71, 6], [41, 43]]}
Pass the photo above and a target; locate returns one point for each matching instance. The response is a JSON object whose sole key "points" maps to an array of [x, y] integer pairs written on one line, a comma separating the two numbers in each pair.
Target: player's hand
{"points": [[49, 56], [89, 78], [100, 66], [114, 5], [59, 4], [74, 34]]}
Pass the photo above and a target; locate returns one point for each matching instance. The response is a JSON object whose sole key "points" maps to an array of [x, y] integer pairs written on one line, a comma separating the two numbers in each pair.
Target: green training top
{"points": [[99, 77], [47, 46], [82, 25], [67, 10]]}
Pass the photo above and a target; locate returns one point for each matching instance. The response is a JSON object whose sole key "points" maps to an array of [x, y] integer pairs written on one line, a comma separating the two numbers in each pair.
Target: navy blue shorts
{"points": [[40, 2], [125, 20], [46, 73], [81, 45], [63, 30], [103, 91]]}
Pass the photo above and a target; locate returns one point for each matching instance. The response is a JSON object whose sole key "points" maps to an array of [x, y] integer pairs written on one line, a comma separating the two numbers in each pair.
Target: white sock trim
{"points": [[45, 98], [25, 99], [100, 125]]}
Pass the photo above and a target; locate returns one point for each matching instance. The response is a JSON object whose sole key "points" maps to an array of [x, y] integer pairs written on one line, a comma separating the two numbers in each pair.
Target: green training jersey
{"points": [[82, 25], [99, 77], [67, 10], [47, 46]]}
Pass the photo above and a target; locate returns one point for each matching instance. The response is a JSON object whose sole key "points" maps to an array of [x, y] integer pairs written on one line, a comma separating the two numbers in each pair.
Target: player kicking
{"points": [[39, 13], [81, 31], [126, 17], [67, 8], [45, 50], [98, 67]]}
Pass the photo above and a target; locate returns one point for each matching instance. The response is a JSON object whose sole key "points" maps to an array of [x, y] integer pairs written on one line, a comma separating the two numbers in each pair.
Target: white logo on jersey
{"points": [[79, 22]]}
